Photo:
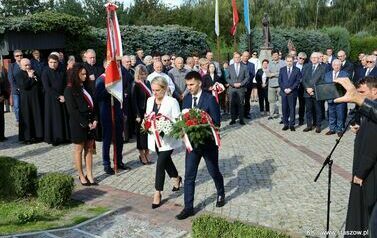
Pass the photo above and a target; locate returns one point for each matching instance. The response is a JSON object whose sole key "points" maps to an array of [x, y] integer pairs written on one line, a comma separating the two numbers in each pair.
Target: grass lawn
{"points": [[26, 215]]}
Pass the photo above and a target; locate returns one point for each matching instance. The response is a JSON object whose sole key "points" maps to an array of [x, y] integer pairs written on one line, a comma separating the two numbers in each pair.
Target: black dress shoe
{"points": [[232, 122], [179, 185], [281, 122], [292, 128], [141, 161], [339, 134], [220, 202], [330, 133], [300, 123], [285, 128], [270, 118], [109, 170], [3, 139], [318, 129], [242, 122], [184, 214], [307, 129], [247, 117], [91, 184], [123, 167], [154, 205], [87, 183]]}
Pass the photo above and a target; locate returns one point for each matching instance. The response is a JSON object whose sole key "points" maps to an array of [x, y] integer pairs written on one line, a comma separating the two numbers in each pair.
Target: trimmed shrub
{"points": [[340, 38], [168, 39], [17, 178], [216, 227], [303, 40], [363, 44], [55, 189], [24, 216]]}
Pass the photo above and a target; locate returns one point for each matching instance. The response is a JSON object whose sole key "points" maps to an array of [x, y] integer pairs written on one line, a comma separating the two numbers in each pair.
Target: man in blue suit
{"points": [[337, 111], [209, 150], [289, 79]]}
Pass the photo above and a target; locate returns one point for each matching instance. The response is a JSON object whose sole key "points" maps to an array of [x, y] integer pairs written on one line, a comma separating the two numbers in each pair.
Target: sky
{"points": [[167, 2]]}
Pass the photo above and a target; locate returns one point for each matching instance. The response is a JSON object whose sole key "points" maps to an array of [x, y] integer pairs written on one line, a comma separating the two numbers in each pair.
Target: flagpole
{"points": [[249, 43], [234, 43], [218, 49]]}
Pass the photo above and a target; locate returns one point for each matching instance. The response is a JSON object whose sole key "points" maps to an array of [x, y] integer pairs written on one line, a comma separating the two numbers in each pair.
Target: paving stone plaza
{"points": [[268, 175]]}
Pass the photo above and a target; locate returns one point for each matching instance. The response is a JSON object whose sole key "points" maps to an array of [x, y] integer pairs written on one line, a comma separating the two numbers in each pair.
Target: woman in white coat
{"points": [[168, 106]]}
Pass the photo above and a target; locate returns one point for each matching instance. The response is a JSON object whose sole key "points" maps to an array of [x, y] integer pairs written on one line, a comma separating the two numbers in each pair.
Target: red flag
{"points": [[235, 18], [113, 79]]}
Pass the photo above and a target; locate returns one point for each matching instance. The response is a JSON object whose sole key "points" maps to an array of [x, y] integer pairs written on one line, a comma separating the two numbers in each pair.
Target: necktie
{"points": [[335, 75], [289, 72], [313, 69], [195, 104], [237, 69], [368, 71]]}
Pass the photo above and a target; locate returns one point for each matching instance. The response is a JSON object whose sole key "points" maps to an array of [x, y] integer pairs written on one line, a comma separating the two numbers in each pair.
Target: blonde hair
{"points": [[161, 81], [203, 61], [140, 68]]}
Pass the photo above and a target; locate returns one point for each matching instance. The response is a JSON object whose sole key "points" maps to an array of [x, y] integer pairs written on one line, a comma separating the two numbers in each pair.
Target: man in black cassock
{"points": [[4, 94], [363, 194], [31, 119], [56, 126]]}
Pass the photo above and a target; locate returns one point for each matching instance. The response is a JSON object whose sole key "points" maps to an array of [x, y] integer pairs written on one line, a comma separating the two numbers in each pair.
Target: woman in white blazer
{"points": [[161, 103]]}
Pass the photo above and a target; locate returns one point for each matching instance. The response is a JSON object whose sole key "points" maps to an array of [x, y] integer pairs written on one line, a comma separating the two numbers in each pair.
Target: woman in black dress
{"points": [[56, 119], [140, 93], [82, 122]]}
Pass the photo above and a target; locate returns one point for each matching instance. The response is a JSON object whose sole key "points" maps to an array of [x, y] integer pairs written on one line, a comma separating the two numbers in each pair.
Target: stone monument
{"points": [[266, 49]]}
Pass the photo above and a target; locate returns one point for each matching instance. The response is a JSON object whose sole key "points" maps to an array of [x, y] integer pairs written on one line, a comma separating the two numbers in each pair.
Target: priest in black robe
{"points": [[363, 195], [31, 111], [56, 126]]}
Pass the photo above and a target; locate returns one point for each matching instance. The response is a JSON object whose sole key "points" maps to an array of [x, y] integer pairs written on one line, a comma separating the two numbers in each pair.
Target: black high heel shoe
{"points": [[154, 206], [179, 185], [91, 184], [84, 184], [141, 161]]}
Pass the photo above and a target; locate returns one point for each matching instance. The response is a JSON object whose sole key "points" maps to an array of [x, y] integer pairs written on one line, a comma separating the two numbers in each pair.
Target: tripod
{"points": [[329, 161]]}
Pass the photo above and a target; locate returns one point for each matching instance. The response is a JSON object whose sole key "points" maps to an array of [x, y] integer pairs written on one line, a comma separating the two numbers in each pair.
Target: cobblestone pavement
{"points": [[268, 174]]}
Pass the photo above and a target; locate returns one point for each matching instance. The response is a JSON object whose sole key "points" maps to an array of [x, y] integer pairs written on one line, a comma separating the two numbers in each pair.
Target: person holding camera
{"points": [[362, 214]]}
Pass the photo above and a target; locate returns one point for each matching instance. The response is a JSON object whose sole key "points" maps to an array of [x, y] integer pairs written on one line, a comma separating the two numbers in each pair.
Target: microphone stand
{"points": [[329, 161]]}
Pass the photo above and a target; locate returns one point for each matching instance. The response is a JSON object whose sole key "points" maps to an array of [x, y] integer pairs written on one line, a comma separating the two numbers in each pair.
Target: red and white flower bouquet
{"points": [[158, 125]]}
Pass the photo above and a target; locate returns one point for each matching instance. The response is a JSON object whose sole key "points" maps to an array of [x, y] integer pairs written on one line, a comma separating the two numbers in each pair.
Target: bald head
{"points": [[245, 56], [157, 66], [25, 64]]}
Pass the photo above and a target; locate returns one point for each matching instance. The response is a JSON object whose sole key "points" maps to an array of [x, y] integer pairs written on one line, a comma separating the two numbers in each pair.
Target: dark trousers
{"points": [[247, 102], [164, 163], [313, 112], [289, 109], [107, 134], [2, 121], [264, 105], [336, 116], [237, 98], [301, 104], [192, 160], [373, 223]]}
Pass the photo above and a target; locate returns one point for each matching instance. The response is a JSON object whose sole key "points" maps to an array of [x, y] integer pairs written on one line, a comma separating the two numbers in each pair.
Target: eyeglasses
{"points": [[340, 56], [301, 58], [18, 55]]}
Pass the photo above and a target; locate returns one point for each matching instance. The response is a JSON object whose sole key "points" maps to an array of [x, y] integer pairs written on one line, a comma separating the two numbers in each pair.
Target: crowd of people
{"points": [[61, 101]]}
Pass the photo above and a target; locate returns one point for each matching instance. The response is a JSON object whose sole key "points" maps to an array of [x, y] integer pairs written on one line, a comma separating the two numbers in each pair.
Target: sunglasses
{"points": [[18, 55], [370, 61], [165, 60]]}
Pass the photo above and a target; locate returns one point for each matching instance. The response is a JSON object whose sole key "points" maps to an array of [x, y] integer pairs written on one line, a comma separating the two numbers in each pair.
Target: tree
{"points": [[71, 7], [19, 8]]}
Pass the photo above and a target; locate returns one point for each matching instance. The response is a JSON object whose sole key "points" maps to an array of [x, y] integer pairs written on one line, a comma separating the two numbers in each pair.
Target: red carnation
{"points": [[189, 123], [204, 120], [195, 121], [186, 116], [147, 125]]}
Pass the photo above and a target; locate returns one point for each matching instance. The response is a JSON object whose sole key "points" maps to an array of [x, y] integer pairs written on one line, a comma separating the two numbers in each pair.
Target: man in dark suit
{"points": [[238, 78], [371, 69], [312, 74], [251, 69], [346, 64], [289, 79], [209, 151]]}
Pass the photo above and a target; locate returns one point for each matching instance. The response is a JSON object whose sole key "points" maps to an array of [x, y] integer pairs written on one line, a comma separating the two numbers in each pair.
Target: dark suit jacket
{"points": [[207, 103], [292, 82], [309, 79], [80, 115], [4, 86], [371, 73], [251, 68], [348, 67]]}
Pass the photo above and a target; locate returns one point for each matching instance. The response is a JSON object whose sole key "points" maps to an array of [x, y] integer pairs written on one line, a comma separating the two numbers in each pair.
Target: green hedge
{"points": [[215, 227], [17, 178], [340, 38], [55, 189], [167, 39], [304, 40], [362, 44]]}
